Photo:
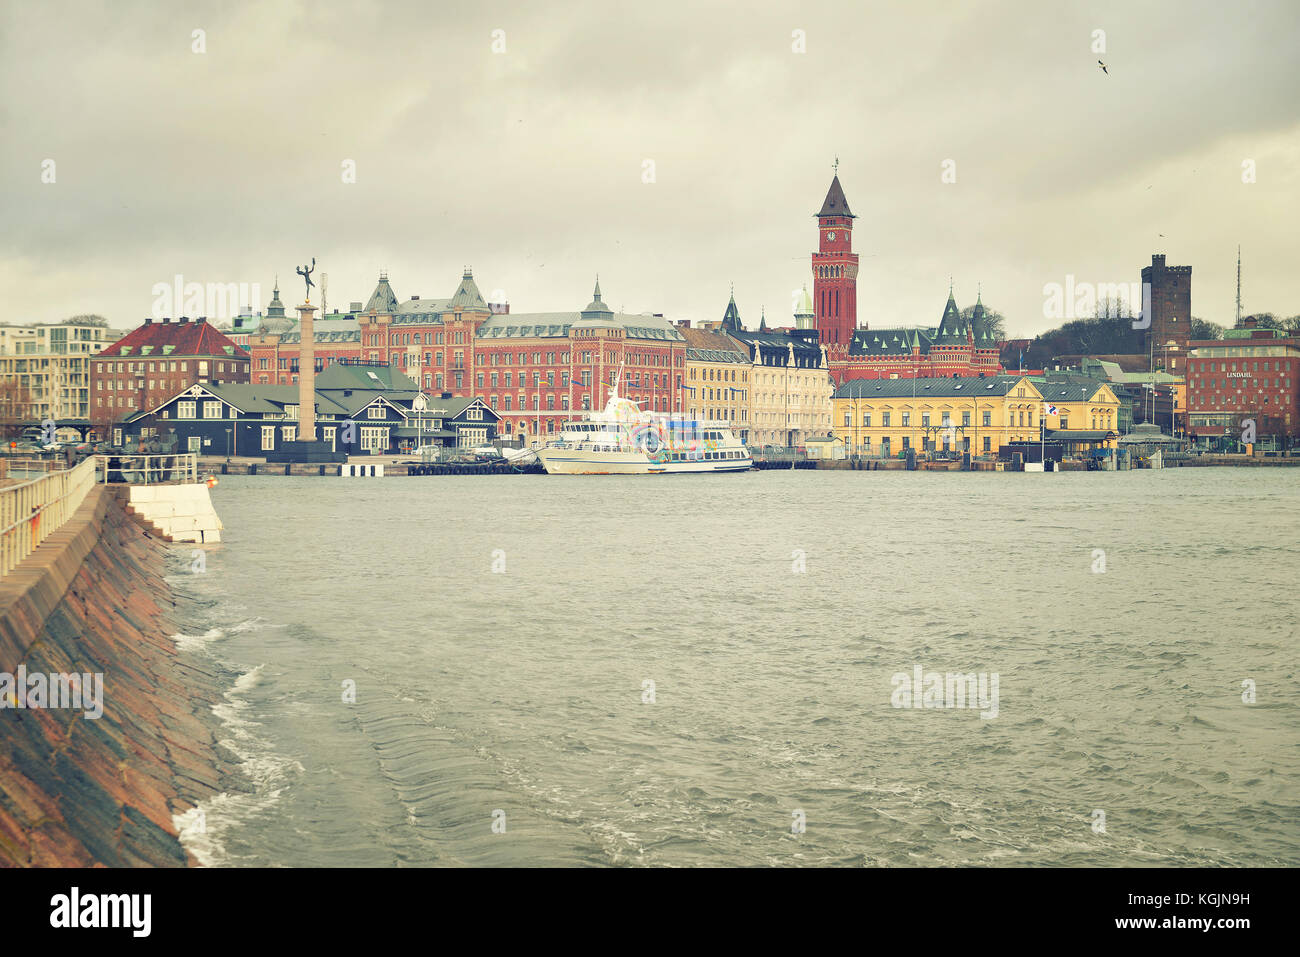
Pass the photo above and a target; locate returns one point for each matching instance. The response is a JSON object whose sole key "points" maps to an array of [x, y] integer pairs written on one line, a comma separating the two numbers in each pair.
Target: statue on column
{"points": [[305, 272]]}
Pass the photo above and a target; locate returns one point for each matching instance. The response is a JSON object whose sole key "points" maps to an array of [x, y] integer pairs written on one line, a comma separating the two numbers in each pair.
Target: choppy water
{"points": [[521, 691]]}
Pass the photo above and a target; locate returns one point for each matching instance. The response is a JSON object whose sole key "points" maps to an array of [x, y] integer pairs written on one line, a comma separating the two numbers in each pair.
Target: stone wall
{"points": [[76, 791]]}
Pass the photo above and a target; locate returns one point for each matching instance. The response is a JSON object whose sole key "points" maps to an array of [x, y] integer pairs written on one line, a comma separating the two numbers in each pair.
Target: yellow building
{"points": [[1081, 413], [717, 378], [786, 384], [885, 417]]}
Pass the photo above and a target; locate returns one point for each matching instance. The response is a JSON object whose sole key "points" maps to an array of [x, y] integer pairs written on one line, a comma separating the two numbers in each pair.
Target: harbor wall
{"points": [[81, 791]]}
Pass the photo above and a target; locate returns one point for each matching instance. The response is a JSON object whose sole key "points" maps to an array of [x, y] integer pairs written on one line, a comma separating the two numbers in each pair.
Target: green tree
{"points": [[996, 322], [1204, 329]]}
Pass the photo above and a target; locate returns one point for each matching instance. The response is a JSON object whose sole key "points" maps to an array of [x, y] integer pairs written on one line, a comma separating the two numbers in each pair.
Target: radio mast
{"points": [[1239, 285]]}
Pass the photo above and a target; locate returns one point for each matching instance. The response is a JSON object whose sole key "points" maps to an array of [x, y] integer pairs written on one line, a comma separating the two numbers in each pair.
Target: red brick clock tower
{"points": [[835, 272]]}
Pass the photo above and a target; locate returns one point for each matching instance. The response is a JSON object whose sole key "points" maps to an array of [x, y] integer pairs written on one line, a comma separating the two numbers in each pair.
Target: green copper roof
{"points": [[467, 297]]}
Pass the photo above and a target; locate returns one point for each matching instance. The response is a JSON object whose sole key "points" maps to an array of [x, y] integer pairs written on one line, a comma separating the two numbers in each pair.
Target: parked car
{"points": [[487, 452]]}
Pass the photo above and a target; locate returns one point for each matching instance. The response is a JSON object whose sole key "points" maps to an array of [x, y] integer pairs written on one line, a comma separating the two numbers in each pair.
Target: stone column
{"points": [[306, 374]]}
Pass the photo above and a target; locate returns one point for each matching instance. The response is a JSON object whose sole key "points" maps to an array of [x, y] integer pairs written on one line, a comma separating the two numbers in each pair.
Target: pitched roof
{"points": [[181, 338], [945, 388], [835, 203], [1068, 390], [467, 298], [888, 342], [597, 308], [338, 375], [250, 398], [731, 318], [382, 300], [703, 345], [952, 327], [556, 325]]}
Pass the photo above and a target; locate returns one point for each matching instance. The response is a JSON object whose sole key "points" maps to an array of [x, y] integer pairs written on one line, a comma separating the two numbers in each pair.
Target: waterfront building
{"points": [[377, 406], [1079, 414], [957, 346], [790, 383], [1252, 375], [157, 360], [537, 370], [886, 417], [45, 370], [717, 377]]}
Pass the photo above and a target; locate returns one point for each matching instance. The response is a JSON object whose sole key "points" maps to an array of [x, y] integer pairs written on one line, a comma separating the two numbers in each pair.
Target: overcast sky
{"points": [[528, 165]]}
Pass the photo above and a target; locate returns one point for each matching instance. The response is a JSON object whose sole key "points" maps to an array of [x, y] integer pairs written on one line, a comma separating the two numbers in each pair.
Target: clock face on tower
{"points": [[830, 237]]}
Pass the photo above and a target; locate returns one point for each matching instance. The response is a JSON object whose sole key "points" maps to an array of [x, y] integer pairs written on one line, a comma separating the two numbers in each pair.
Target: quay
{"points": [[398, 466], [83, 593]]}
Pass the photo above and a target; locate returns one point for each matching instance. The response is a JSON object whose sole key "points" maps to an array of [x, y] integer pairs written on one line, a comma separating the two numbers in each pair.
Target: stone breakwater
{"points": [[81, 792]]}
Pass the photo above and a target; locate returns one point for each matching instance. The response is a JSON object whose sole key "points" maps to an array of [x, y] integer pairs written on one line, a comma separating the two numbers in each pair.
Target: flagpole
{"points": [[1042, 424]]}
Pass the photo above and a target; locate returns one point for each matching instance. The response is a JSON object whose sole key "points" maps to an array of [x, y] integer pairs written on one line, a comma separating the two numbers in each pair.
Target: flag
{"points": [[1051, 409]]}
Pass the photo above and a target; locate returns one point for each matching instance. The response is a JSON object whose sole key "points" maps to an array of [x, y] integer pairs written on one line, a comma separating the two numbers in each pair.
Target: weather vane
{"points": [[305, 272], [837, 166]]}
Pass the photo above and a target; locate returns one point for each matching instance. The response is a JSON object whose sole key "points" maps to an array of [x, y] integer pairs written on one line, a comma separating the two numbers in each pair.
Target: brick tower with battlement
{"points": [[1171, 312]]}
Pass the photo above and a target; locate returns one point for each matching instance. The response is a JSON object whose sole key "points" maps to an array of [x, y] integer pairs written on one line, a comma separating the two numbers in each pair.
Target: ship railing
{"points": [[31, 511], [141, 469]]}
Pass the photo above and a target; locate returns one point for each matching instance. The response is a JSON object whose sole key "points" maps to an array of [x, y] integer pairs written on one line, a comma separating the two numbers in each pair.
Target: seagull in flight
{"points": [[1103, 68]]}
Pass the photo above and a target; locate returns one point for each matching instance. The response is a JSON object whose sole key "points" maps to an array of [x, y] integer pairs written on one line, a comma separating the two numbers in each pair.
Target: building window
{"points": [[374, 439], [268, 438], [375, 412], [289, 432], [185, 410], [988, 420], [986, 444], [884, 421], [212, 410]]}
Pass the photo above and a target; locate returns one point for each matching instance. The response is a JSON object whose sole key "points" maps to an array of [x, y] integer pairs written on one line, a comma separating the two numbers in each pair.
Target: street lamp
{"points": [[229, 436]]}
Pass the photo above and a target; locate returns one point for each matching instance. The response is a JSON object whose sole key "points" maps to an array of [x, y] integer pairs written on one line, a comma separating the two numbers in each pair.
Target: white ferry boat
{"points": [[624, 439]]}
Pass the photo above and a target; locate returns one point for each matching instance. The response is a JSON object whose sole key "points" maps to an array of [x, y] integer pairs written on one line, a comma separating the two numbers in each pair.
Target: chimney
{"points": [[1158, 260], [148, 320], [415, 299], [166, 319], [200, 320], [683, 323], [183, 320]]}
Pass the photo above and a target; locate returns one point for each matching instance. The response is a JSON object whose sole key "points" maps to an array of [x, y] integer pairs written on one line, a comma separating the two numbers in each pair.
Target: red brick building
{"points": [[957, 346], [534, 369], [1251, 374], [151, 364]]}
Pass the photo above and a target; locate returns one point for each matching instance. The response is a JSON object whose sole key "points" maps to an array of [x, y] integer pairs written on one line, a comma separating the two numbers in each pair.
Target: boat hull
{"points": [[558, 461]]}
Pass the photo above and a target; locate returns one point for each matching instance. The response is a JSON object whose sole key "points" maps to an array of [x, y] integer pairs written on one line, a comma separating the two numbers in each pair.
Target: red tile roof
{"points": [[187, 338]]}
